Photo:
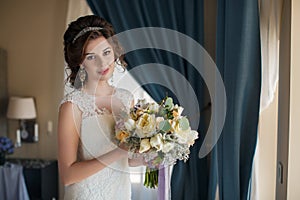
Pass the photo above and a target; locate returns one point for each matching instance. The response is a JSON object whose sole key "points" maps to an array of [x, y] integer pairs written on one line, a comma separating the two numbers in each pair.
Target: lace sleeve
{"points": [[74, 98]]}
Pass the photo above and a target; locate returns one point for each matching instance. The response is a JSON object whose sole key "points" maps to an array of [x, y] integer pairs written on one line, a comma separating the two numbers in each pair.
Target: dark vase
{"points": [[2, 159]]}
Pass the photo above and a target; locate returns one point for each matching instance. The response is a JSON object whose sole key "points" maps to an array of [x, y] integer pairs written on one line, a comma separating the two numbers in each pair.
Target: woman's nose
{"points": [[100, 62], [104, 63]]}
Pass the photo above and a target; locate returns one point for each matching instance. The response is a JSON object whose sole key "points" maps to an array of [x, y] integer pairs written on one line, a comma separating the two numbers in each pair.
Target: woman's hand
{"points": [[138, 160], [123, 146]]}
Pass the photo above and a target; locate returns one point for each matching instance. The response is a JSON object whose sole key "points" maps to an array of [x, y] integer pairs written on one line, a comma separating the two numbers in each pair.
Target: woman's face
{"points": [[99, 59]]}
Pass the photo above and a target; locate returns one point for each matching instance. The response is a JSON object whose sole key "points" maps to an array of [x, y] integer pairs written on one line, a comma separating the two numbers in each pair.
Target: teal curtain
{"points": [[238, 58]]}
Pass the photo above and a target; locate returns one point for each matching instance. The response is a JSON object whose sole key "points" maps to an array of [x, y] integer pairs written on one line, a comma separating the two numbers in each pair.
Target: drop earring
{"points": [[112, 80], [82, 75]]}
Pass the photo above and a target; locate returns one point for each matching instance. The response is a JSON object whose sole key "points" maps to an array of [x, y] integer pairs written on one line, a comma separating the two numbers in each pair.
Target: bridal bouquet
{"points": [[158, 132]]}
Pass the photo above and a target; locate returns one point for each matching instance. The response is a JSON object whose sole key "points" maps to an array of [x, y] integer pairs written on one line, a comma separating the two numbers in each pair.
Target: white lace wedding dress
{"points": [[97, 130]]}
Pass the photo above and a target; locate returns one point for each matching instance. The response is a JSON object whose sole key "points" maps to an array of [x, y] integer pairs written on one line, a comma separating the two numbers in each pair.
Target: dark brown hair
{"points": [[74, 50]]}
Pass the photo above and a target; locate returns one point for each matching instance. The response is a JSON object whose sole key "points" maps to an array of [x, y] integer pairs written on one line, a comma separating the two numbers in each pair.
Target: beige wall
{"points": [[31, 32], [293, 192]]}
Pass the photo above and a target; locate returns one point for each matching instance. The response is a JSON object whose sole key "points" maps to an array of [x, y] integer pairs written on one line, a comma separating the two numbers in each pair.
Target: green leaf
{"points": [[162, 112], [164, 126], [184, 123], [169, 103]]}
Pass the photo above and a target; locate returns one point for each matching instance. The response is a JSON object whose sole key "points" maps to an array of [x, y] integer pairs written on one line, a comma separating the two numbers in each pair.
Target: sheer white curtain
{"points": [[270, 19], [77, 8]]}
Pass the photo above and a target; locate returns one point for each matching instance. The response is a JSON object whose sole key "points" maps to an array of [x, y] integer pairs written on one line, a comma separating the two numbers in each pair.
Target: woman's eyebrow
{"points": [[88, 54], [106, 48], [95, 53]]}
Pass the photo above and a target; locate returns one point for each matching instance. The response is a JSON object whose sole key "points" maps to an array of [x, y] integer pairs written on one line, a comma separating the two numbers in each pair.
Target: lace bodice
{"points": [[96, 136], [86, 102]]}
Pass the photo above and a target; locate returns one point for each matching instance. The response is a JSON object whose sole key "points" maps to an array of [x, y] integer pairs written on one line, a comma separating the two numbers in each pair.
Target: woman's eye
{"points": [[105, 53], [90, 57]]}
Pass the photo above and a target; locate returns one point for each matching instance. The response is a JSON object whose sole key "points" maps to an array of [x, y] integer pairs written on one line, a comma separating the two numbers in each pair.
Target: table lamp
{"points": [[21, 108]]}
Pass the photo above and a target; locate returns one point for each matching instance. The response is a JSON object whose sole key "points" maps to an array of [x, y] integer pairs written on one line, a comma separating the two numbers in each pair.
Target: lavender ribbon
{"points": [[163, 183]]}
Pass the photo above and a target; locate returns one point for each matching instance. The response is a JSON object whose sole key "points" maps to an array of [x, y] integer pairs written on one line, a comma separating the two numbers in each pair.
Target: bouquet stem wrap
{"points": [[151, 178], [158, 178]]}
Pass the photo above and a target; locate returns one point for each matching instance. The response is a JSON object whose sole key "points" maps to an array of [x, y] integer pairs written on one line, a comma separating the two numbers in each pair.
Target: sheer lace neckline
{"points": [[99, 110], [114, 90]]}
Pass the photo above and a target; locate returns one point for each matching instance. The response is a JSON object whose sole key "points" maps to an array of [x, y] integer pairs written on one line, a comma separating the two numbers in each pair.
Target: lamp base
{"points": [[24, 134], [27, 131]]}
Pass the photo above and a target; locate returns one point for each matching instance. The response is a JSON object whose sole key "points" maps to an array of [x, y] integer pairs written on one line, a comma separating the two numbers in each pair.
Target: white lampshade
{"points": [[21, 108]]}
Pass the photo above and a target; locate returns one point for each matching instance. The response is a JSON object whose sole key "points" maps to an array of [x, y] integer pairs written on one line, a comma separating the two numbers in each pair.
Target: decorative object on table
{"points": [[158, 132], [23, 109], [6, 147]]}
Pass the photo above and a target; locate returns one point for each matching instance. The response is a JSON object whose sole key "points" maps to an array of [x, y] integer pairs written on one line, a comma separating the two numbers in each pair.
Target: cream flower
{"points": [[144, 145], [182, 135], [122, 135], [180, 110], [192, 136], [167, 147], [156, 142], [129, 124], [177, 111], [154, 107], [146, 125], [175, 126]]}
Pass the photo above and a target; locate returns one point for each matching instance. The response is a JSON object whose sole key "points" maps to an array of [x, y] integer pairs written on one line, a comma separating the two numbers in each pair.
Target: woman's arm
{"points": [[70, 170]]}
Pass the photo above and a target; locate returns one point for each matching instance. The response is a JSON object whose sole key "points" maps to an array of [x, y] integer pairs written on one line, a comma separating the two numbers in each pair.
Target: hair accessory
{"points": [[82, 75], [85, 30]]}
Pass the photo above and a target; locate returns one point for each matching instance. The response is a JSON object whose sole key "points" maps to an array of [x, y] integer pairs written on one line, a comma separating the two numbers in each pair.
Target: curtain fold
{"points": [[238, 58], [228, 166]]}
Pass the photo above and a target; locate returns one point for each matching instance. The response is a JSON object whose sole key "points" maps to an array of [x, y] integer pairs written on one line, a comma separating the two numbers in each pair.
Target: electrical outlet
{"points": [[49, 127]]}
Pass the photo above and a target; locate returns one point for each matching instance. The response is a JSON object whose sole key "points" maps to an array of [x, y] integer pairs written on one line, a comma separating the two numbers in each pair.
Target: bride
{"points": [[91, 166]]}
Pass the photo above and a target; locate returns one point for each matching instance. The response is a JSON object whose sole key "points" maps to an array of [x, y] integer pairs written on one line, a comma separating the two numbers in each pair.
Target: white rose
{"points": [[167, 147], [175, 126], [145, 126], [144, 145], [182, 135], [129, 124], [156, 142], [180, 109], [192, 136], [154, 107], [177, 111], [158, 120]]}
